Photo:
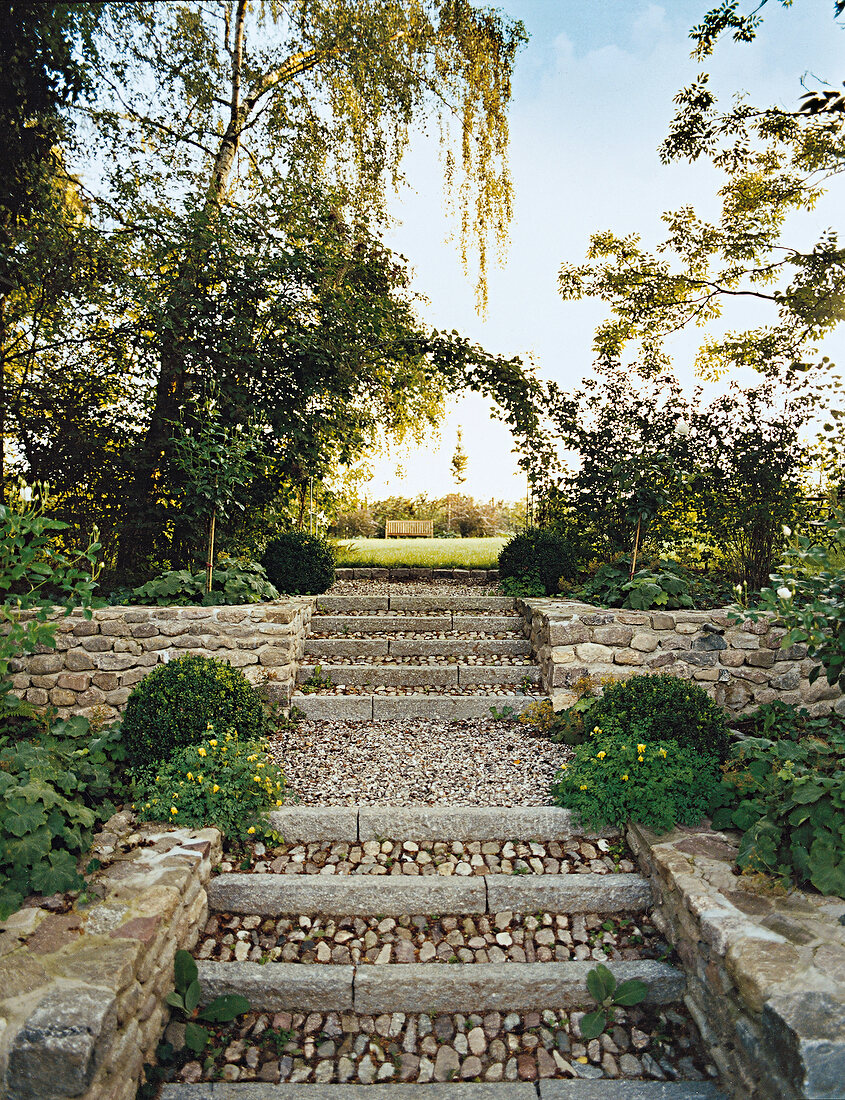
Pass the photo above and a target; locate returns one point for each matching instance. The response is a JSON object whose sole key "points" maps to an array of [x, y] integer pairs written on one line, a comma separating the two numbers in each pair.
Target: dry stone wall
{"points": [[82, 993], [97, 661], [765, 971], [741, 664]]}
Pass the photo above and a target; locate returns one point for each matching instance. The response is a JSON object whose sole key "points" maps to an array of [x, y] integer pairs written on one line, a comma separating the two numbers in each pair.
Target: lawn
{"points": [[431, 553]]}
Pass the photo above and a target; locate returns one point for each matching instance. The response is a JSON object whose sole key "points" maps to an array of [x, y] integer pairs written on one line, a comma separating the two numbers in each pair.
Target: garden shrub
{"points": [[224, 780], [661, 583], [786, 793], [538, 559], [172, 706], [299, 564], [665, 708], [53, 789], [232, 582], [618, 776]]}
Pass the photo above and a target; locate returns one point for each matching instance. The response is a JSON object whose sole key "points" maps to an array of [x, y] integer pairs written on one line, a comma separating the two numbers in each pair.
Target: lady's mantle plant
{"points": [[619, 776], [223, 780]]}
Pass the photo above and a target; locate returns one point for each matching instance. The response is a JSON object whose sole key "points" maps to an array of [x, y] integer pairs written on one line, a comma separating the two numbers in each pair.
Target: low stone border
{"points": [[360, 895], [765, 972], [418, 987], [428, 823], [462, 576], [82, 993], [741, 664], [545, 1090], [98, 661]]}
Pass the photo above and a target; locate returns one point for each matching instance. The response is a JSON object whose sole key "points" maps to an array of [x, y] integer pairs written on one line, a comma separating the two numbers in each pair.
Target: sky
{"points": [[592, 101]]}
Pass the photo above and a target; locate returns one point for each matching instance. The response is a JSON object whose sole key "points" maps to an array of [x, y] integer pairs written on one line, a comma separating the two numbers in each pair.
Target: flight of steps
{"points": [[359, 1009], [454, 657]]}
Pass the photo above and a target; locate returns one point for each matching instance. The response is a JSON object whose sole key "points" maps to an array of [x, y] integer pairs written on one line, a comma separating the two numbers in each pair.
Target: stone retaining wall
{"points": [[461, 576], [97, 661], [740, 664], [765, 972], [82, 993]]}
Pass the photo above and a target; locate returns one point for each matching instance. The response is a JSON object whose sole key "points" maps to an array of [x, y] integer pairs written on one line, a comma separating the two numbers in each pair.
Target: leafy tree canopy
{"points": [[774, 162]]}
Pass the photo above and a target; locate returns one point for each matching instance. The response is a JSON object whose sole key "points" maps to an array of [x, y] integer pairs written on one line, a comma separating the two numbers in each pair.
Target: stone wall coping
{"points": [[82, 992], [783, 954]]}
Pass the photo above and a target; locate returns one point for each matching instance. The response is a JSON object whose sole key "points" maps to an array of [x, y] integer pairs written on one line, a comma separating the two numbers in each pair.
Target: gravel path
{"points": [[479, 762], [411, 588]]}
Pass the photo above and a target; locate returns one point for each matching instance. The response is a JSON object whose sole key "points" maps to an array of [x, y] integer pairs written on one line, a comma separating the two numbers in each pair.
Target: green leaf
{"points": [[22, 817], [223, 1010], [196, 1037], [593, 1024], [192, 996], [175, 1000], [601, 983], [184, 969], [57, 874], [630, 993]]}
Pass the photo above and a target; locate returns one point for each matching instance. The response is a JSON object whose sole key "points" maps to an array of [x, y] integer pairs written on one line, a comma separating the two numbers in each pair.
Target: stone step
{"points": [[429, 602], [401, 675], [270, 895], [459, 1090], [416, 624], [452, 646], [308, 824], [369, 708], [422, 987]]}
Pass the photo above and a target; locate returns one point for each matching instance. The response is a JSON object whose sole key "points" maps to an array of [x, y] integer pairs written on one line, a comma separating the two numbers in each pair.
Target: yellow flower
{"points": [[201, 752], [640, 759], [601, 755], [215, 788], [199, 779], [583, 786], [256, 779], [625, 777], [213, 743], [640, 748], [173, 810], [251, 829], [596, 729], [563, 767], [278, 802], [662, 753], [190, 775]]}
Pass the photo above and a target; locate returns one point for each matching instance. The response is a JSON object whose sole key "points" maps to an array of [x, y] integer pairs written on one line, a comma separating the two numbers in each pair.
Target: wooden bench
{"points": [[409, 528]]}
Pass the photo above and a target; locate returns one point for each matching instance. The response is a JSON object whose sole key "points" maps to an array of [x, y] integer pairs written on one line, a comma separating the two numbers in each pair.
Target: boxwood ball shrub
{"points": [[665, 708], [539, 555], [172, 706], [299, 564]]}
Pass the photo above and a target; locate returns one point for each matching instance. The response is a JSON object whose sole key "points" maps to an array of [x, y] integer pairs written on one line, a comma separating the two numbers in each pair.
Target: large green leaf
{"points": [[630, 993], [184, 969], [57, 874], [192, 997], [593, 1024], [601, 983], [196, 1037], [22, 817], [224, 1009]]}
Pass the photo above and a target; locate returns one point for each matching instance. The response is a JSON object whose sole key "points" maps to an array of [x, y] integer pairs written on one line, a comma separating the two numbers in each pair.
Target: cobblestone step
{"points": [[408, 675], [429, 823], [430, 602], [420, 987], [458, 1090], [408, 623], [369, 708], [452, 646], [361, 895]]}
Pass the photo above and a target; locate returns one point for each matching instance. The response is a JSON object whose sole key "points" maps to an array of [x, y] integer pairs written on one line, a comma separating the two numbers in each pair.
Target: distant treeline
{"points": [[454, 514]]}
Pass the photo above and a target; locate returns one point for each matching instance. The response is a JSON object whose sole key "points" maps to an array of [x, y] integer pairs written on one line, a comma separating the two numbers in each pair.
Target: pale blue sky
{"points": [[593, 100]]}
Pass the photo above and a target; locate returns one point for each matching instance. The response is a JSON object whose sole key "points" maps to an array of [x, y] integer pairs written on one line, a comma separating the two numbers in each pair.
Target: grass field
{"points": [[431, 553]]}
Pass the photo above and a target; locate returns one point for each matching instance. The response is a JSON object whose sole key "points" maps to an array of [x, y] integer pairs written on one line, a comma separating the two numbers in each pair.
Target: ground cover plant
{"points": [[223, 780], [232, 582], [784, 788], [471, 553], [621, 774]]}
